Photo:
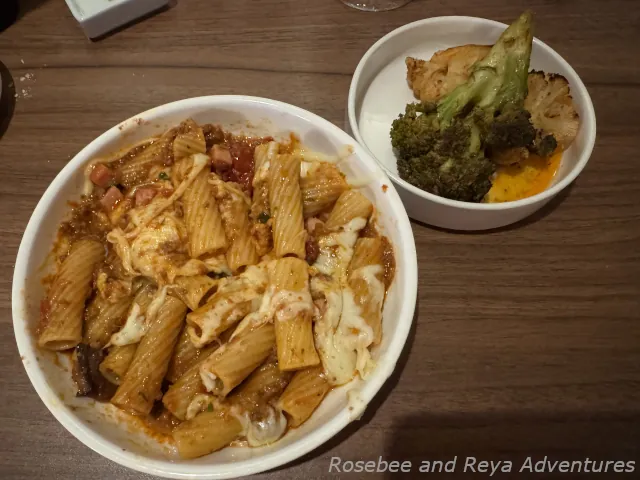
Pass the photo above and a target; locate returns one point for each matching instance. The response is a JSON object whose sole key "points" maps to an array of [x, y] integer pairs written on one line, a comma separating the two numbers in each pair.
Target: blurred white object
{"points": [[98, 17]]}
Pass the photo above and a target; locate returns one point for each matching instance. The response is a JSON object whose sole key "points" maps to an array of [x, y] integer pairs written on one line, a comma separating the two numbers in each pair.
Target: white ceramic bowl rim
{"points": [[546, 194], [261, 463]]}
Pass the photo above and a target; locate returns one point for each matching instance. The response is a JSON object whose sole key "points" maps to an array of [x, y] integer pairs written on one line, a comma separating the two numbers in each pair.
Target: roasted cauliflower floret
{"points": [[551, 106], [433, 79]]}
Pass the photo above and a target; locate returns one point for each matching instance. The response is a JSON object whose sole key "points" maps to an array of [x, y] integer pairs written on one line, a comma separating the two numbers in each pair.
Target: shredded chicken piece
{"points": [[431, 80]]}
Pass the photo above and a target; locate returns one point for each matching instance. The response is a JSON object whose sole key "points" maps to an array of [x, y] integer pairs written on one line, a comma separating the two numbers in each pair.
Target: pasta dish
{"points": [[221, 284]]}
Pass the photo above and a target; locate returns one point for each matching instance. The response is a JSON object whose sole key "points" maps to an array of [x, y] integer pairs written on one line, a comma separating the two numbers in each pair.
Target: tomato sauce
{"points": [[242, 150]]}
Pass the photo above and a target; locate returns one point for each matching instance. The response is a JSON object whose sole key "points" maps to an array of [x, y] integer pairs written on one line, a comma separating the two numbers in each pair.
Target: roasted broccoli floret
{"points": [[445, 149], [449, 163], [416, 131], [499, 80]]}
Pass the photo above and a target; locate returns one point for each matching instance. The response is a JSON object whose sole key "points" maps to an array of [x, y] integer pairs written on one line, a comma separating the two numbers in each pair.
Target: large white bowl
{"points": [[379, 92], [111, 433]]}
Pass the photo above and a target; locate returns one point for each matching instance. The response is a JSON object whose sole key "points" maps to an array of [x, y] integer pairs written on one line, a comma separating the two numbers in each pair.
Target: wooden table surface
{"points": [[526, 340]]}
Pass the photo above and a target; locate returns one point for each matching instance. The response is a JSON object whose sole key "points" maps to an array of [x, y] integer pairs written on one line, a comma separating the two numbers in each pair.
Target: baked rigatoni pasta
{"points": [[366, 281], [320, 189], [141, 385], [134, 167], [61, 323], [285, 201], [303, 394], [293, 312], [266, 383], [350, 205], [136, 321], [202, 218], [185, 354], [117, 362], [228, 366], [103, 318], [184, 389], [189, 140], [341, 336], [193, 289], [217, 285], [235, 298], [234, 207], [206, 433], [260, 210]]}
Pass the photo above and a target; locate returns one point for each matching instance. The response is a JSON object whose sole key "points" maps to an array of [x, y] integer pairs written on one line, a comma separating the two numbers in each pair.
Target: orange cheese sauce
{"points": [[527, 178]]}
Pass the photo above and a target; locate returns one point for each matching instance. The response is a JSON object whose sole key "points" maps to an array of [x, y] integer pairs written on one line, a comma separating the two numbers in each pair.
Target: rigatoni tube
{"points": [[285, 200], [103, 319], [293, 311], [234, 361], [366, 280], [141, 385], [181, 393], [303, 395], [117, 362], [61, 324], [206, 433]]}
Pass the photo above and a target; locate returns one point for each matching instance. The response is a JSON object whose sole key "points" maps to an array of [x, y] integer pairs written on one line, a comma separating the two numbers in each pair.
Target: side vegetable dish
{"points": [[217, 285], [486, 128]]}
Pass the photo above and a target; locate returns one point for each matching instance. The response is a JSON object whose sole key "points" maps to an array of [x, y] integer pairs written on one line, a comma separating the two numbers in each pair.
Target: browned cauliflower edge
{"points": [[551, 106]]}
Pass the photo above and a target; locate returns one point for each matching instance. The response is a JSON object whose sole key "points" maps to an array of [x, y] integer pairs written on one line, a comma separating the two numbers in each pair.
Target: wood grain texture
{"points": [[526, 339]]}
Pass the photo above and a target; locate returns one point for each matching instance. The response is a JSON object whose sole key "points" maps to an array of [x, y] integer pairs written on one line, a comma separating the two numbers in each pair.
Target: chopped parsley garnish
{"points": [[163, 176], [263, 217], [210, 408]]}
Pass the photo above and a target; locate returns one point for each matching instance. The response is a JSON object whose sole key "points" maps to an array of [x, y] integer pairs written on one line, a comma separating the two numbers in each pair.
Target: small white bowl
{"points": [[111, 433], [379, 93]]}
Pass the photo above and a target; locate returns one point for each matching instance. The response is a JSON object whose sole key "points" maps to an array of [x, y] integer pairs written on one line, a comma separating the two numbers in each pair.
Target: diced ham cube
{"points": [[221, 158], [144, 195], [111, 198], [101, 175]]}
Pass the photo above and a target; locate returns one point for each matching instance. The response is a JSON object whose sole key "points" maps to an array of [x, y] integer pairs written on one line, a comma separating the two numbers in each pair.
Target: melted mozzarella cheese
{"points": [[209, 379], [137, 324], [342, 336], [370, 275], [262, 172], [133, 329], [200, 403], [354, 333], [218, 265], [307, 168], [123, 250], [145, 215], [147, 254], [336, 248], [288, 305], [338, 360], [284, 305], [156, 303], [249, 286], [263, 431], [257, 318]]}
